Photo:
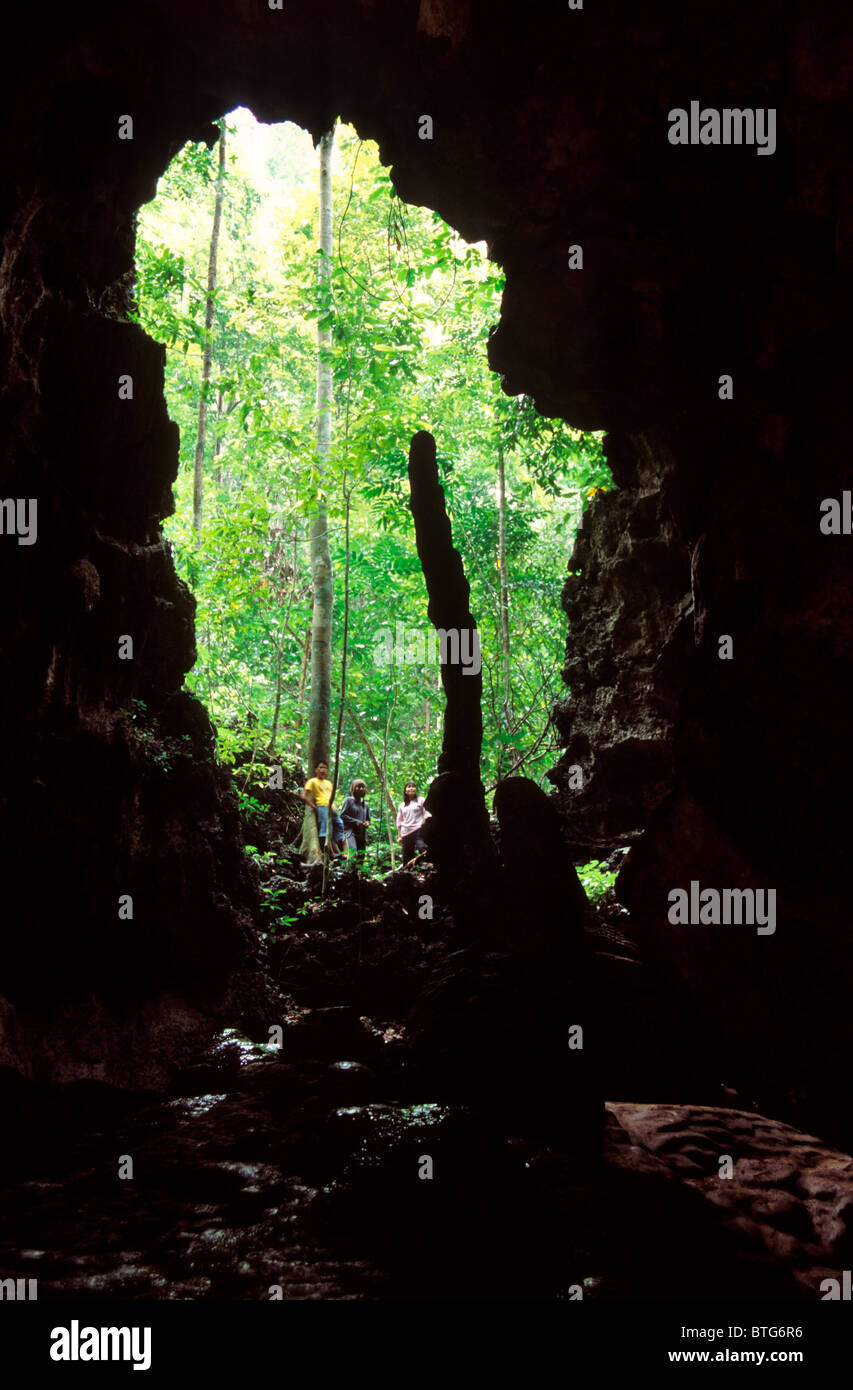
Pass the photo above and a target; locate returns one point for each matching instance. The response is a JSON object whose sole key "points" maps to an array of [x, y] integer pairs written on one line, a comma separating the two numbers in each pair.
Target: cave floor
{"points": [[289, 1176], [329, 1169]]}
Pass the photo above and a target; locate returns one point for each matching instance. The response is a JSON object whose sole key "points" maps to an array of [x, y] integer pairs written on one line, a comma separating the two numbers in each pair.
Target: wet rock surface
{"points": [[787, 1190], [287, 1178], [344, 1165]]}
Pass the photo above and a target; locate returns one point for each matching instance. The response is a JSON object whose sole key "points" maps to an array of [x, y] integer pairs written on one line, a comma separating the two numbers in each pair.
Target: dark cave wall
{"points": [[550, 130], [109, 786]]}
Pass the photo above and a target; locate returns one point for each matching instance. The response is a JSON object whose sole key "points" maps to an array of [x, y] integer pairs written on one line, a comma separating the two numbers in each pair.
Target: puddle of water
{"points": [[248, 1051], [194, 1105]]}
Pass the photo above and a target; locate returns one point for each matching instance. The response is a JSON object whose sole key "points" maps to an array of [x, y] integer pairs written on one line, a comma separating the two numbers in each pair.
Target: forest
{"points": [[305, 344]]}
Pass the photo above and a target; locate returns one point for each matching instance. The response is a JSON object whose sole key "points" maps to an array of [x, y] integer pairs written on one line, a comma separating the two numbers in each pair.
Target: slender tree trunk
{"points": [[201, 433], [377, 766], [348, 495], [278, 684], [504, 604], [285, 628], [300, 699], [336, 769], [309, 840], [319, 714], [217, 448], [389, 800]]}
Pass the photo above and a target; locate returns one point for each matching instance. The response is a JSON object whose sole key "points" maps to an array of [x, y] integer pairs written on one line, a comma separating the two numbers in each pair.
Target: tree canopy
{"points": [[409, 305]]}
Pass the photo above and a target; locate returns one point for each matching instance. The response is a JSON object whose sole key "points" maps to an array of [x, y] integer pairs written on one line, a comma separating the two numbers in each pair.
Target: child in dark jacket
{"points": [[355, 814]]}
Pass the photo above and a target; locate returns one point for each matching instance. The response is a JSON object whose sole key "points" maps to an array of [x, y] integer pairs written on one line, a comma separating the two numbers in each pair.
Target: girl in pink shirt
{"points": [[412, 815]]}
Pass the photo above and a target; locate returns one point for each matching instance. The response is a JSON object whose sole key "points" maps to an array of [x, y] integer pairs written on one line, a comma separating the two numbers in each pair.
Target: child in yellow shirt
{"points": [[318, 793]]}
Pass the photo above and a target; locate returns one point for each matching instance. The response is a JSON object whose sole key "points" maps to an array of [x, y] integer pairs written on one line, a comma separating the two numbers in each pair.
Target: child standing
{"points": [[318, 792], [355, 814], [412, 815]]}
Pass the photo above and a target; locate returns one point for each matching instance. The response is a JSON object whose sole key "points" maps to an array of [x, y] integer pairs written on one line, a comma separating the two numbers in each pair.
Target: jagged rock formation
{"points": [[449, 611], [785, 1190], [697, 262]]}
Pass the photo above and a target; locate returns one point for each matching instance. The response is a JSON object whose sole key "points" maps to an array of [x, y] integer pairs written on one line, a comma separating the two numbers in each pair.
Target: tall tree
{"points": [[319, 713], [201, 432], [504, 598]]}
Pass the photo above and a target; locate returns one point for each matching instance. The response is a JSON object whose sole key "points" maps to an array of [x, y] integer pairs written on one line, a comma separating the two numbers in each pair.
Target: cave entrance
{"points": [[229, 278]]}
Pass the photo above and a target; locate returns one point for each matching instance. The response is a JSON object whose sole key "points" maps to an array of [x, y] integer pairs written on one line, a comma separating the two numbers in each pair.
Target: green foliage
{"points": [[250, 807], [596, 879], [273, 899], [161, 752], [411, 306]]}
